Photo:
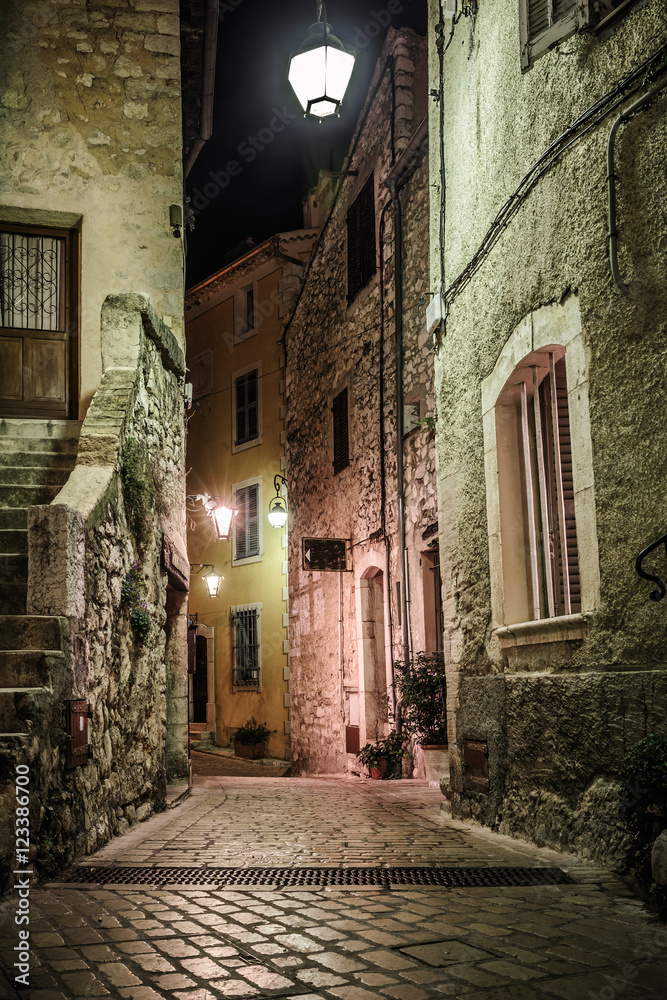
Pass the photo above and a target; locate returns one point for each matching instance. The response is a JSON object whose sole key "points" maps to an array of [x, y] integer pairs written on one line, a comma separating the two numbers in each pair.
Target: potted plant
{"points": [[383, 758], [423, 693], [251, 739]]}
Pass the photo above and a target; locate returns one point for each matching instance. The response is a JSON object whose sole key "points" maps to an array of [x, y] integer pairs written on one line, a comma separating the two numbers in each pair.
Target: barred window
{"points": [[247, 522], [341, 443], [246, 399], [361, 239], [245, 645]]}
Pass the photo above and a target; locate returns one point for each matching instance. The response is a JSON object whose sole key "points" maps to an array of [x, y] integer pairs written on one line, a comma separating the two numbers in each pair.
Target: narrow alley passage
{"points": [[586, 938]]}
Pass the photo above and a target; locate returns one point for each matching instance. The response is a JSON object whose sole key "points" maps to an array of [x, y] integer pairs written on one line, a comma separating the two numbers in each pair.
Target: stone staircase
{"points": [[36, 458]]}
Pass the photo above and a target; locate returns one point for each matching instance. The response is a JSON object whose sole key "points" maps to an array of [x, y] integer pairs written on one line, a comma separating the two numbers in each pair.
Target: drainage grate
{"points": [[223, 878]]}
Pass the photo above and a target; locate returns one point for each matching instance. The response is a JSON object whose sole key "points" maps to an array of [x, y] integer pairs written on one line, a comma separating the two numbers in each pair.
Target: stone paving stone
{"points": [[447, 952], [511, 971], [119, 974]]}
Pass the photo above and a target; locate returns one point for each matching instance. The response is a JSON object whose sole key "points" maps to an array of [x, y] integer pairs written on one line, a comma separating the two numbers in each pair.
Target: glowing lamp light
{"points": [[320, 70], [213, 581], [222, 521], [278, 504]]}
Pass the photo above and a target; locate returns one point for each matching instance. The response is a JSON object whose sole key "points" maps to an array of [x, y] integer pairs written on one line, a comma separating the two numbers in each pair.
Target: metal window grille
{"points": [[32, 281], [245, 636], [341, 444], [549, 490], [246, 522], [247, 424], [361, 239]]}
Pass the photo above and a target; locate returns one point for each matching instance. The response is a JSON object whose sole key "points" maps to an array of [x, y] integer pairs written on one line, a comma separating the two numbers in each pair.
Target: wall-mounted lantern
{"points": [[320, 69], [221, 515], [278, 504], [212, 579]]}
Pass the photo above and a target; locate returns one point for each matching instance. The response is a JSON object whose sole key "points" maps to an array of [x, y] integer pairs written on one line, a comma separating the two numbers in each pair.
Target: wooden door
{"points": [[38, 322]]}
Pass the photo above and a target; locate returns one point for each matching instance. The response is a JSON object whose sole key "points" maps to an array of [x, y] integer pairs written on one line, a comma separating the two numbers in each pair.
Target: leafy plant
{"points": [[423, 693], [138, 490], [644, 771], [253, 732], [390, 749], [131, 597]]}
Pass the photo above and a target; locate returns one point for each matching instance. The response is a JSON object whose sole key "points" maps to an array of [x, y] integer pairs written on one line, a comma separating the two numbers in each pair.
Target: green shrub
{"points": [[423, 694], [138, 491], [644, 772], [253, 732], [390, 749]]}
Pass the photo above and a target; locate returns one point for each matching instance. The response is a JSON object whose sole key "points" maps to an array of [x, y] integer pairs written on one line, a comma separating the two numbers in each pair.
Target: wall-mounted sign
{"points": [[324, 554], [177, 568]]}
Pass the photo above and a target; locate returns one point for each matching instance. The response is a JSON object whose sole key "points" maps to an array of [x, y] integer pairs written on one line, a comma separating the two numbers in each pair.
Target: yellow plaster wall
{"points": [[213, 468]]}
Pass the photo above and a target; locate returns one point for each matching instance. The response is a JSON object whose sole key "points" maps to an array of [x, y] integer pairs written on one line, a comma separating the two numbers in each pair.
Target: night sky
{"points": [[254, 105]]}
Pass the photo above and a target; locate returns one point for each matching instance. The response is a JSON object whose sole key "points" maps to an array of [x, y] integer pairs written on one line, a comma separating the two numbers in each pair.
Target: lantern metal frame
{"points": [[212, 505], [213, 588], [278, 504], [321, 36]]}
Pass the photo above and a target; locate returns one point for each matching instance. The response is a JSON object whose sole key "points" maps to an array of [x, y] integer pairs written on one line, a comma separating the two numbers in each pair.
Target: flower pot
{"points": [[253, 751], [436, 763], [379, 769]]}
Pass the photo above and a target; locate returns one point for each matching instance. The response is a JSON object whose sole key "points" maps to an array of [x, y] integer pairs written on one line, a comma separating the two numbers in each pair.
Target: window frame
{"points": [[257, 440], [553, 325], [236, 609], [246, 560], [355, 246], [242, 329], [575, 19], [338, 393]]}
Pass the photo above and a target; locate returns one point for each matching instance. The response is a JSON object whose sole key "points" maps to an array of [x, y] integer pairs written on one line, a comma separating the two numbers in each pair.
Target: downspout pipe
{"points": [[207, 84], [400, 485], [611, 179]]}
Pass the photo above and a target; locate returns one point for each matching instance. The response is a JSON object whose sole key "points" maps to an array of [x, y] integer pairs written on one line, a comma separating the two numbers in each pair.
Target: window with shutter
{"points": [[545, 22], [246, 394], [341, 449], [539, 518], [361, 239], [247, 541]]}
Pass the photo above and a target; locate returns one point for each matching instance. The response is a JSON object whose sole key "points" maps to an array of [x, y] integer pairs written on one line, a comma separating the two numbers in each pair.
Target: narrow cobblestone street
{"points": [[588, 939]]}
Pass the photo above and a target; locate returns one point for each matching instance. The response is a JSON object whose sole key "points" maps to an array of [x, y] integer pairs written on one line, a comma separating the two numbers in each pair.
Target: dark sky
{"points": [[253, 107]]}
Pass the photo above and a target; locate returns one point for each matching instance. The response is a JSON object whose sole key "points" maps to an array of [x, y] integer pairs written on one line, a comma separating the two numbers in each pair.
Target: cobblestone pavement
{"points": [[208, 763], [590, 939]]}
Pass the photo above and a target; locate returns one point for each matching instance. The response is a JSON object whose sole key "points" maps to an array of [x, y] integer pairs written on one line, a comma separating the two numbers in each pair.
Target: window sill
{"points": [[563, 629], [606, 21]]}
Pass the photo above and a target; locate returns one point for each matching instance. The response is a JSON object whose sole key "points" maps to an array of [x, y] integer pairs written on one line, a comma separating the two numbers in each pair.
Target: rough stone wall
{"points": [[124, 682], [91, 137], [558, 717], [330, 344]]}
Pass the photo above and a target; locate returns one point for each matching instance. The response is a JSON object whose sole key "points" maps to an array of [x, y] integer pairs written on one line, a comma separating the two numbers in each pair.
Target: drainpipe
{"points": [[400, 489], [611, 179], [207, 84]]}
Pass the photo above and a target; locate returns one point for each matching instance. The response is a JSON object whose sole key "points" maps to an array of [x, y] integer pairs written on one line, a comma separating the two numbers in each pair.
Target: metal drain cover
{"points": [[224, 878]]}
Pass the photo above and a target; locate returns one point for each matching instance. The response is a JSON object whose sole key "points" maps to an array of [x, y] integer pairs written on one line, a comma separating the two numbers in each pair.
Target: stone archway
{"points": [[374, 653]]}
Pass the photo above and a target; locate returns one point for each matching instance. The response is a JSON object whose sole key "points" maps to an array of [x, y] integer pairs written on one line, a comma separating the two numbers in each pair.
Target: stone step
{"points": [[26, 496], [13, 598], [29, 668], [13, 517], [32, 632], [32, 476], [14, 567], [35, 428], [37, 459], [14, 539]]}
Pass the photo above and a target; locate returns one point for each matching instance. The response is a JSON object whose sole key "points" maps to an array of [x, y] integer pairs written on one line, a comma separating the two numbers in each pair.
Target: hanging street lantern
{"points": [[222, 521], [320, 70]]}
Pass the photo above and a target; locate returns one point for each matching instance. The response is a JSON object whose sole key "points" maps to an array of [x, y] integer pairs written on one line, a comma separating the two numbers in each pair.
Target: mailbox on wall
{"points": [[476, 766], [78, 746]]}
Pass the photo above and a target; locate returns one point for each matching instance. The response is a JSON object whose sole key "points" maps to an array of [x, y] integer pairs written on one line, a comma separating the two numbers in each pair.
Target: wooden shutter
{"points": [[341, 450], [568, 487], [247, 522], [543, 13], [361, 239], [247, 423]]}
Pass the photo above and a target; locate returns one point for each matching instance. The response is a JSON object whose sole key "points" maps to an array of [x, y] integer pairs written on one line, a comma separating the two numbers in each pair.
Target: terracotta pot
{"points": [[377, 770], [250, 750], [436, 763]]}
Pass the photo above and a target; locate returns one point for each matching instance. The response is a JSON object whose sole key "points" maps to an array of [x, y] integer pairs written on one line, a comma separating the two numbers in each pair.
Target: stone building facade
{"points": [[348, 626], [236, 448], [548, 376], [92, 529]]}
